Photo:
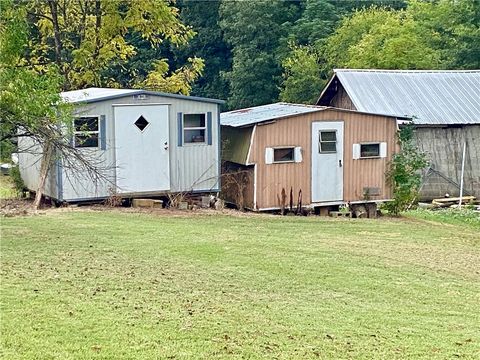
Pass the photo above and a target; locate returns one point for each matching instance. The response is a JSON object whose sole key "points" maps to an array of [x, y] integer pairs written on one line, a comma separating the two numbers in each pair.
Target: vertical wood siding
{"points": [[296, 131]]}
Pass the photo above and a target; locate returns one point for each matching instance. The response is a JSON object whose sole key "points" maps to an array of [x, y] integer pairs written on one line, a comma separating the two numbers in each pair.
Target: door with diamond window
{"points": [[142, 148]]}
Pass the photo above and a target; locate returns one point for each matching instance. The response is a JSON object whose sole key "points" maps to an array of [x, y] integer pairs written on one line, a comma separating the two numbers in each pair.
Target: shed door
{"points": [[327, 161], [141, 148]]}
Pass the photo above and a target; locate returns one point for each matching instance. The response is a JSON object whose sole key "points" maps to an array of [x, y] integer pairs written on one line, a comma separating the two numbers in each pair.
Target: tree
{"points": [[381, 38], [85, 38], [302, 76], [257, 33], [31, 105], [440, 34], [208, 44]]}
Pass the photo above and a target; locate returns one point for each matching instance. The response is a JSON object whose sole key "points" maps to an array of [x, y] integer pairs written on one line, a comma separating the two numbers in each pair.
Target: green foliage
{"points": [[17, 179], [208, 44], [404, 172], [86, 38], [425, 35], [302, 76], [257, 32], [29, 100]]}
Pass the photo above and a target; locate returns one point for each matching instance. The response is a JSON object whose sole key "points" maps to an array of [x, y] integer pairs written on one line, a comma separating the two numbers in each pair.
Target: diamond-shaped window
{"points": [[141, 123]]}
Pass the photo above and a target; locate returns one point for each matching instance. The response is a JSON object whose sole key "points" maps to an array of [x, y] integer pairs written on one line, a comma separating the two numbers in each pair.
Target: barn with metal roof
{"points": [[444, 106]]}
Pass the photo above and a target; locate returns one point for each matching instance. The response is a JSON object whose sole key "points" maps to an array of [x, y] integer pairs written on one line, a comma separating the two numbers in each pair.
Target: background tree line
{"points": [[257, 52]]}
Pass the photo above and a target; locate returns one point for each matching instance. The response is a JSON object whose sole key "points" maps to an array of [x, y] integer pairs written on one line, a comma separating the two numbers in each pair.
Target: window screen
{"points": [[328, 141], [369, 150], [283, 154]]}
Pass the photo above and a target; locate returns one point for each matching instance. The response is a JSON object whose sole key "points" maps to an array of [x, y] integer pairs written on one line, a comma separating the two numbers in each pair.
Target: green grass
{"points": [[111, 284], [7, 188]]}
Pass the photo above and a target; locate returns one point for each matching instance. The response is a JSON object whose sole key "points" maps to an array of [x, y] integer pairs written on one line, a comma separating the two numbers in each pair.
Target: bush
{"points": [[404, 173], [17, 179]]}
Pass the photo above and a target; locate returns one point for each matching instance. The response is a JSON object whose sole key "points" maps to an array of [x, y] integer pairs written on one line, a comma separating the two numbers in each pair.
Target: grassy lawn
{"points": [[112, 284]]}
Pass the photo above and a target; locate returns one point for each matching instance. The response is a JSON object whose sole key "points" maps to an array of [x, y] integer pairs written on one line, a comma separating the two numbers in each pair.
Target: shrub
{"points": [[404, 172], [17, 179]]}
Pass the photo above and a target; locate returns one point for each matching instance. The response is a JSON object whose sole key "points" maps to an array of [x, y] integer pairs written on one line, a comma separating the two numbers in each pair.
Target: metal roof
{"points": [[257, 114], [429, 97], [93, 94]]}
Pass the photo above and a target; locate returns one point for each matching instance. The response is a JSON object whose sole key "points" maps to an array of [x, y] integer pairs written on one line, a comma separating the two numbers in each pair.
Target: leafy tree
{"points": [[208, 44], [381, 38], [257, 33], [84, 38], [302, 76], [441, 34]]}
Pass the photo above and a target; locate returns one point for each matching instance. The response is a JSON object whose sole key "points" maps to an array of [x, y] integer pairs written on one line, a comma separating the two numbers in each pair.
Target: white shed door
{"points": [[327, 161], [141, 148]]}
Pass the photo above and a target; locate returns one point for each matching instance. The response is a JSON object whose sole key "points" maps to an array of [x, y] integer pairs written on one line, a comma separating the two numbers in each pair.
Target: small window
{"points": [[369, 150], [141, 123], [283, 155], [327, 142], [86, 131], [194, 128]]}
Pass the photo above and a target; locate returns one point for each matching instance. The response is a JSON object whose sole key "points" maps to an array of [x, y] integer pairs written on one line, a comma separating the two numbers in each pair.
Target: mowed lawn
{"points": [[114, 284]]}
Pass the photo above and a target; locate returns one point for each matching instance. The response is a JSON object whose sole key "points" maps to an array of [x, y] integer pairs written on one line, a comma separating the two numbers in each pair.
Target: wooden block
{"points": [[323, 211], [142, 203]]}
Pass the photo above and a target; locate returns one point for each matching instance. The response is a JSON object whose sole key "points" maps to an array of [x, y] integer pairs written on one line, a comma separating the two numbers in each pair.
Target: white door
{"points": [[327, 161], [141, 148]]}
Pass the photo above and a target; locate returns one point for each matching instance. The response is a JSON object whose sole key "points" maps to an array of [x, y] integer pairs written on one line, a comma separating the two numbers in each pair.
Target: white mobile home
{"points": [[152, 143]]}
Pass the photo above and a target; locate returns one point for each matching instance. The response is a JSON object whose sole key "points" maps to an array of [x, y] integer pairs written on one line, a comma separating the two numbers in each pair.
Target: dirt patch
{"points": [[16, 207]]}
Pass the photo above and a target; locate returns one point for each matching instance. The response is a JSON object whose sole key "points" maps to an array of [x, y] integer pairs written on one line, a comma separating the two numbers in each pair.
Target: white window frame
{"points": [[329, 141], [382, 150], [204, 128], [83, 133], [270, 154]]}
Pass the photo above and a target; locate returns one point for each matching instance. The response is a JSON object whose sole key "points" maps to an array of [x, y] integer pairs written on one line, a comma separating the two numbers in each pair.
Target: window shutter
{"points": [[356, 151], [209, 128], [180, 128], [383, 149], [298, 154], [268, 155], [103, 132]]}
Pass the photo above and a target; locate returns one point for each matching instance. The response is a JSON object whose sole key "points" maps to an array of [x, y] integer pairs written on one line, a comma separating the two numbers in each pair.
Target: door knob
{"points": [[340, 163], [165, 145]]}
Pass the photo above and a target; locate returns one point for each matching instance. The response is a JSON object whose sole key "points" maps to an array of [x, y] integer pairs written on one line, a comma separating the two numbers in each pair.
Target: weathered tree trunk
{"points": [[44, 169]]}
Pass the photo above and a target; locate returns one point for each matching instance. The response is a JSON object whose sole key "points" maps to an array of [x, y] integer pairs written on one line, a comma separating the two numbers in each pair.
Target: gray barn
{"points": [[445, 106], [152, 143]]}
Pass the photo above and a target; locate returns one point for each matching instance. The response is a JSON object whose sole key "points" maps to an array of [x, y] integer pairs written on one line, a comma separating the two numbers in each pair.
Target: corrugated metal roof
{"points": [[257, 114], [94, 94], [429, 97]]}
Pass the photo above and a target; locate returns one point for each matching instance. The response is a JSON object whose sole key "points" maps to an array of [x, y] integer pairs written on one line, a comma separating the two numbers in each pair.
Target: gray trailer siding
{"points": [[193, 167]]}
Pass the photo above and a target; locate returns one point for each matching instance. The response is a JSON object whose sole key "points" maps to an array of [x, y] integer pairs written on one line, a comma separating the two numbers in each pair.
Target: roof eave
{"points": [[148, 92]]}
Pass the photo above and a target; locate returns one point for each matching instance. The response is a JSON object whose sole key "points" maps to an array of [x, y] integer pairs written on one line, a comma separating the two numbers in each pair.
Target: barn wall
{"points": [[444, 147], [192, 166], [341, 99], [296, 131]]}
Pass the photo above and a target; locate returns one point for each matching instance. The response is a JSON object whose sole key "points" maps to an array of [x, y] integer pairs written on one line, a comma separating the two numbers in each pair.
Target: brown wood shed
{"points": [[332, 156]]}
